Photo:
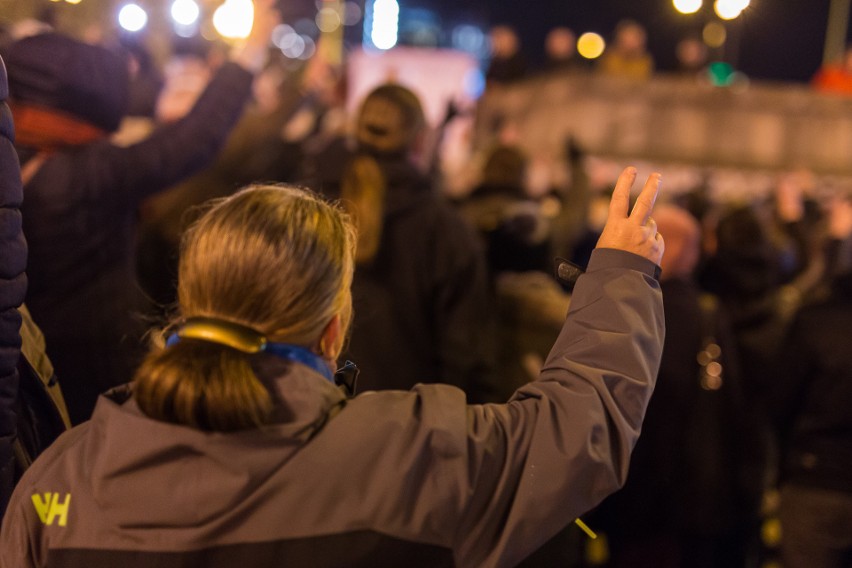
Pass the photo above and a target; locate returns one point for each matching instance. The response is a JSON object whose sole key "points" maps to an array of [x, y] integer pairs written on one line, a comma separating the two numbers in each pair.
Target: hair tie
{"points": [[247, 340], [230, 334]]}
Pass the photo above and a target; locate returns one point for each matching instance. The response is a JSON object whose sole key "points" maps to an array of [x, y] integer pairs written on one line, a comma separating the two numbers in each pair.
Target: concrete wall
{"points": [[674, 120]]}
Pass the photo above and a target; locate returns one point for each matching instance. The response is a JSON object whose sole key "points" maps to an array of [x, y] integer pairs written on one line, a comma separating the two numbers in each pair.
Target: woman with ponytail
{"points": [[234, 446], [293, 288], [421, 281]]}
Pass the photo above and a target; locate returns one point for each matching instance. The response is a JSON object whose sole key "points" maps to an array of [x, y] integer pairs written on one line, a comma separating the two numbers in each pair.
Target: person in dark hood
{"points": [[421, 282], [82, 193]]}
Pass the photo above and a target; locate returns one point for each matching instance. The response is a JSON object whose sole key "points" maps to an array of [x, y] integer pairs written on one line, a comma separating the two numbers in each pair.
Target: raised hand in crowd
{"points": [[252, 53], [635, 231]]}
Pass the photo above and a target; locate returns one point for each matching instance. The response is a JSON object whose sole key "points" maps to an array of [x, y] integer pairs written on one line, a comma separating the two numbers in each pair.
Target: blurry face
{"points": [[560, 44], [381, 125], [504, 42], [691, 53], [631, 38]]}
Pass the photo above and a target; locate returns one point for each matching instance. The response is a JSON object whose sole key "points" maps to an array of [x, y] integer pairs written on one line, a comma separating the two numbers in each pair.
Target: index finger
{"points": [[620, 202], [645, 202]]}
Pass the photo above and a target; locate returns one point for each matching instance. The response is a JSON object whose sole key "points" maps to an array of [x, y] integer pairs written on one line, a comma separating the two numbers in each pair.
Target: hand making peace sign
{"points": [[635, 232]]}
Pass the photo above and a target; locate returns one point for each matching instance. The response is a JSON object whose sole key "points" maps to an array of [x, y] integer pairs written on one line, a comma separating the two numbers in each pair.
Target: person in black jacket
{"points": [[421, 283], [811, 399], [82, 193], [692, 496], [13, 286]]}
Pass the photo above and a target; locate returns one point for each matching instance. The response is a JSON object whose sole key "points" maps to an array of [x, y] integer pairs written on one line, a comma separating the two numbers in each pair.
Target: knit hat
{"points": [[55, 71]]}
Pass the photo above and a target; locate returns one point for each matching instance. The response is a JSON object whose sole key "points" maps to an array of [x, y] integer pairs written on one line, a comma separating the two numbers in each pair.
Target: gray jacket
{"points": [[392, 478]]}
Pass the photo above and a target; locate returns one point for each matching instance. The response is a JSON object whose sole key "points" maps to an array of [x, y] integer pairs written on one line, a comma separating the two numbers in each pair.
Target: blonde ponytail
{"points": [[363, 191], [204, 385], [276, 259]]}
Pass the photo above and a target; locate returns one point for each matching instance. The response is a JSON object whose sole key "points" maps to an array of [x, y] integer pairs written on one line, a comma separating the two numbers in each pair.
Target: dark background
{"points": [[778, 39]]}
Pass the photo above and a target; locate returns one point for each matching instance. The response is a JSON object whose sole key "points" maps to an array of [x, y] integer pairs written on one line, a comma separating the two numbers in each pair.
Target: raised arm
{"points": [[563, 443], [180, 149], [635, 232]]}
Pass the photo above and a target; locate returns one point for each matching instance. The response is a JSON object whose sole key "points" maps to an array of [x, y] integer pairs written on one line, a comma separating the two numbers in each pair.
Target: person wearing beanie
{"points": [[82, 192]]}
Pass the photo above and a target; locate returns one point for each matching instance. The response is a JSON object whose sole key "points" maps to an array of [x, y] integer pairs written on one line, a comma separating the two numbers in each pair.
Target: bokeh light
{"points": [[471, 39], [385, 30], [310, 48], [185, 12], [351, 13], [234, 18], [474, 83], [714, 35], [132, 17], [687, 6], [720, 73], [730, 9], [328, 20], [591, 45], [282, 34]]}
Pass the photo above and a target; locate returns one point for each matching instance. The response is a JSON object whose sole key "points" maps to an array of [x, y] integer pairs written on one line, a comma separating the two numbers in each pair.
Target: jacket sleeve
{"points": [[13, 284], [563, 442], [178, 150]]}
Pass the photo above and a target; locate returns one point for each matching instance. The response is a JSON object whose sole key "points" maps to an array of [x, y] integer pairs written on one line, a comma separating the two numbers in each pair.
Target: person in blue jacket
{"points": [[13, 287]]}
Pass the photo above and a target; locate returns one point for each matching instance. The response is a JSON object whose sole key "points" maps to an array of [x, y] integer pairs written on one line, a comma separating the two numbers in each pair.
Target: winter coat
{"points": [[79, 216], [812, 394], [13, 286], [697, 469], [415, 478], [425, 293]]}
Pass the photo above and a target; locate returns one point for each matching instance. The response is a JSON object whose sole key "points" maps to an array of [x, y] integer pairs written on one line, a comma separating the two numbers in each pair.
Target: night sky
{"points": [[779, 39]]}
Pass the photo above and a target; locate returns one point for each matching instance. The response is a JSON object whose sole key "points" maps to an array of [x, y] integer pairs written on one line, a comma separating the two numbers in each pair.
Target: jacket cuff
{"points": [[603, 258]]}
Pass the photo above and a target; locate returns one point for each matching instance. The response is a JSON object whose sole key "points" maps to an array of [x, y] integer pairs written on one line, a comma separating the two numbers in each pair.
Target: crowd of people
{"points": [[482, 422]]}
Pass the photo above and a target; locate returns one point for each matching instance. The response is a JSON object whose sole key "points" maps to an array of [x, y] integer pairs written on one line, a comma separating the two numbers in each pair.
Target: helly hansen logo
{"points": [[50, 509]]}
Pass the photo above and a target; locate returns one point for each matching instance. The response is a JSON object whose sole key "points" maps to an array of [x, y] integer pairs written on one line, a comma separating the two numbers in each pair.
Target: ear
{"points": [[331, 340]]}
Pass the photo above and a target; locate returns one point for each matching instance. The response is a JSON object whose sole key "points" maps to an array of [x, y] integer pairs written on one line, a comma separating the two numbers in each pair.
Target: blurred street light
{"points": [[688, 6], [185, 12], [730, 9], [591, 45], [132, 17], [714, 35], [383, 23], [234, 18]]}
